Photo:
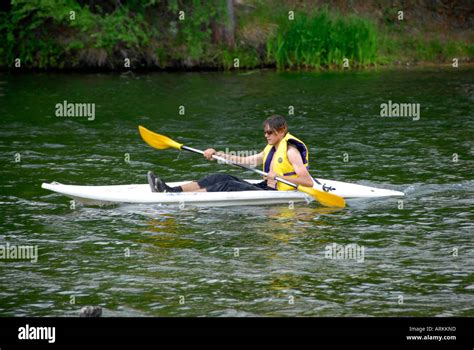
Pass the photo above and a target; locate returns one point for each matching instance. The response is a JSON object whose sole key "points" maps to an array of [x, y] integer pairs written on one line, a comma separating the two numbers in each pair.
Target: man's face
{"points": [[273, 136]]}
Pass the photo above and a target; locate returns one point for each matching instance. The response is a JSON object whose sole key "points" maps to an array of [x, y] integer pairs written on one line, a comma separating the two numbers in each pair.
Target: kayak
{"points": [[141, 193]]}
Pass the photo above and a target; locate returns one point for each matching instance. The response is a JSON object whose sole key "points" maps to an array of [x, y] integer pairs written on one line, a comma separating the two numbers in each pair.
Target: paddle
{"points": [[162, 142]]}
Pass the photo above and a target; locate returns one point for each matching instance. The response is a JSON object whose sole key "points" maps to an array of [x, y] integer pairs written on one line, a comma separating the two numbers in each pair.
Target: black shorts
{"points": [[225, 183]]}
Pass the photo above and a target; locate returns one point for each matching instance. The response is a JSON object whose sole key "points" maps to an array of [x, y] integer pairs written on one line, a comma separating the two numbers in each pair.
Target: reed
{"points": [[322, 39]]}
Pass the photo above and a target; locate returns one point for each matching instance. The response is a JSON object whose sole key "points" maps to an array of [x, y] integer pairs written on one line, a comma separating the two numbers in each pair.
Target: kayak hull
{"points": [[141, 193]]}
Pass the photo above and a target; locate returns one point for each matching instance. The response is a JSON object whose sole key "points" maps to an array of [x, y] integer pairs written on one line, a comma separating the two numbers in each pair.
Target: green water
{"points": [[239, 261]]}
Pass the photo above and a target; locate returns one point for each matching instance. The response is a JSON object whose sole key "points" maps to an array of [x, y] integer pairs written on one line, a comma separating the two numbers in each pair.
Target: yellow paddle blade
{"points": [[156, 140], [325, 198]]}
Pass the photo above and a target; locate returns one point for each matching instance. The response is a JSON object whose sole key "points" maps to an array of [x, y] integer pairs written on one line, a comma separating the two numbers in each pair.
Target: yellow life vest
{"points": [[282, 165]]}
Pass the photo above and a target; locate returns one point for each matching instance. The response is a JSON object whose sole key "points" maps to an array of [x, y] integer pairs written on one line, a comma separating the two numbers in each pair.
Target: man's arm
{"points": [[251, 161]]}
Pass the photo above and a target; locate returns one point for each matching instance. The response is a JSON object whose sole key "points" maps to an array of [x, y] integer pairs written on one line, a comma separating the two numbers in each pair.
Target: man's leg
{"points": [[232, 185], [218, 183], [209, 180], [216, 178], [191, 187]]}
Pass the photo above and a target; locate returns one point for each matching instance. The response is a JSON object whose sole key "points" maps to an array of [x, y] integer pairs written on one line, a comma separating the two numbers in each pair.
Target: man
{"points": [[284, 156]]}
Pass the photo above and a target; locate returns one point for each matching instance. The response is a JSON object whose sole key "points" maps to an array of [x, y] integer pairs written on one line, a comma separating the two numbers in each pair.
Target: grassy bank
{"points": [[73, 34], [322, 39]]}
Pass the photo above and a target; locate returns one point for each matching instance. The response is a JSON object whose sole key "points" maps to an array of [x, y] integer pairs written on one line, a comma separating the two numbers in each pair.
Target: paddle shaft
{"points": [[194, 150]]}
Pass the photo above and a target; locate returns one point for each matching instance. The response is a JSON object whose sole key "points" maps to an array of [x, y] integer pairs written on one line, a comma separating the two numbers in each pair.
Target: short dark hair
{"points": [[276, 123]]}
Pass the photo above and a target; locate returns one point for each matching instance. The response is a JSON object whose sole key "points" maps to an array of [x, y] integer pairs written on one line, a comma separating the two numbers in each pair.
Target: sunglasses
{"points": [[268, 132]]}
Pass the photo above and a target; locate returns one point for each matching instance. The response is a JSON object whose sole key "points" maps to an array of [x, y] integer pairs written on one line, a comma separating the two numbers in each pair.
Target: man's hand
{"points": [[271, 182], [209, 152]]}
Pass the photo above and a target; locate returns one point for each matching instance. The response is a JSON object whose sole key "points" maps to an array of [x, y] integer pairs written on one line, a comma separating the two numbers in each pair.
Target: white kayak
{"points": [[104, 195]]}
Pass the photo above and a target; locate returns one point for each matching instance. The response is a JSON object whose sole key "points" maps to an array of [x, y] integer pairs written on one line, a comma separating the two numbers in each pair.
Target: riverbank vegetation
{"points": [[218, 34]]}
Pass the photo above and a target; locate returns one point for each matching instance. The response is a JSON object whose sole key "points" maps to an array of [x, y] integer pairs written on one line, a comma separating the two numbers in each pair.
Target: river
{"points": [[151, 260]]}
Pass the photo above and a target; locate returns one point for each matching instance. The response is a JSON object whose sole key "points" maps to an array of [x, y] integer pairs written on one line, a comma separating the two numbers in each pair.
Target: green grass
{"points": [[407, 48], [322, 39], [248, 58]]}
